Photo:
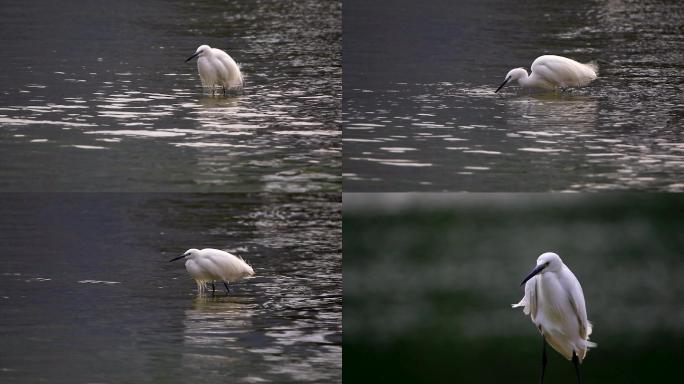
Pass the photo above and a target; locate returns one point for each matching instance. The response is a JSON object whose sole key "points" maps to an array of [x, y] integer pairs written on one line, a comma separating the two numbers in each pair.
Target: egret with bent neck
{"points": [[552, 72]]}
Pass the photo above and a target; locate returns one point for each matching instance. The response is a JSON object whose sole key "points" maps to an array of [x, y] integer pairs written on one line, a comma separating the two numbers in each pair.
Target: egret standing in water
{"points": [[555, 301], [552, 72], [217, 68], [210, 265]]}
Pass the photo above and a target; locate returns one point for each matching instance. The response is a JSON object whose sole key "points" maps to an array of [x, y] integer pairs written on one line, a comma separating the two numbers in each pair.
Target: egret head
{"points": [[547, 262], [513, 74], [189, 254], [201, 51]]}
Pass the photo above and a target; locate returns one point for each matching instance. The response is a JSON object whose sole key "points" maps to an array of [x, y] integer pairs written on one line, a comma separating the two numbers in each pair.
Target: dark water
{"points": [[420, 110], [87, 294], [429, 280], [96, 96]]}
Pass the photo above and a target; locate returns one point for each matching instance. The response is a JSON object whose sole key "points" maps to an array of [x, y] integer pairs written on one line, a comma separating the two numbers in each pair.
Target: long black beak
{"points": [[192, 57], [535, 271], [176, 258], [497, 90]]}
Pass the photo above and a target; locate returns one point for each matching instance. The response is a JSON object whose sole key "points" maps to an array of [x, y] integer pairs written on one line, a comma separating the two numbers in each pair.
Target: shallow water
{"points": [[87, 294], [420, 110], [98, 97], [445, 269]]}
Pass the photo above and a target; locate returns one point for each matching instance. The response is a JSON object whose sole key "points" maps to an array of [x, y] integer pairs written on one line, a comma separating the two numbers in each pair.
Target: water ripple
{"points": [[150, 108]]}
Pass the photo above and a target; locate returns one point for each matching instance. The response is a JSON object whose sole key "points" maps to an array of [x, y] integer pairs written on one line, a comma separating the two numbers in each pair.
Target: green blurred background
{"points": [[429, 279]]}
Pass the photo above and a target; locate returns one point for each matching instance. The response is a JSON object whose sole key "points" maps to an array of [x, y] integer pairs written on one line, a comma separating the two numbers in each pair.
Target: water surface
{"points": [[87, 294], [421, 114], [97, 96]]}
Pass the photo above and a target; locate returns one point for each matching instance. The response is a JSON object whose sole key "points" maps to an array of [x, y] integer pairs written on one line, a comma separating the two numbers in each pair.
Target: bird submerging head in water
{"points": [[555, 302], [552, 72]]}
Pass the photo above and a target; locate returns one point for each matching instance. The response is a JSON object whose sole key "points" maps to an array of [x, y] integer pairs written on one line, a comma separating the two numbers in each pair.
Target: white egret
{"points": [[552, 72], [209, 265], [217, 68], [555, 301]]}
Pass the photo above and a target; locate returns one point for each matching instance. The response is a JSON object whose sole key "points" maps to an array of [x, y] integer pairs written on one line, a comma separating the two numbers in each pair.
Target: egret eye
{"points": [[547, 264]]}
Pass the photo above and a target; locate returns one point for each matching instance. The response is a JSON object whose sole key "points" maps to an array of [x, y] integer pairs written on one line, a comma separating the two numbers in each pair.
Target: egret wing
{"points": [[233, 76], [208, 267], [229, 266], [563, 71], [553, 70], [576, 297]]}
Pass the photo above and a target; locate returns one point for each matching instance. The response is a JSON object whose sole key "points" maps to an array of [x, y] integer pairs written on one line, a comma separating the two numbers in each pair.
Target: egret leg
{"points": [[213, 288], [226, 285], [224, 90], [575, 361], [543, 360]]}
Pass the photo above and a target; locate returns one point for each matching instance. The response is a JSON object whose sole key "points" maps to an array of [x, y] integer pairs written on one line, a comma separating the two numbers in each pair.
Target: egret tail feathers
{"points": [[590, 344], [250, 270], [587, 343], [594, 66]]}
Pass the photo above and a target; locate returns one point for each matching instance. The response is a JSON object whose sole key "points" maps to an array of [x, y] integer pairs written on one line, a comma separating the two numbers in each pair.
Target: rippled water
{"points": [[420, 110], [98, 97], [87, 294]]}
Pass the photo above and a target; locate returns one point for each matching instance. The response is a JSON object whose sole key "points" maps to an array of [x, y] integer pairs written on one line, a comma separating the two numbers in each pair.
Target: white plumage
{"points": [[210, 265], [555, 301], [217, 68], [552, 72]]}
